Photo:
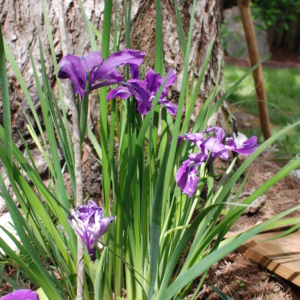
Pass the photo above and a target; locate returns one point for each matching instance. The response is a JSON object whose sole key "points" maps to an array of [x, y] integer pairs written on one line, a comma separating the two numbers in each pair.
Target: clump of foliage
{"points": [[276, 12], [149, 238]]}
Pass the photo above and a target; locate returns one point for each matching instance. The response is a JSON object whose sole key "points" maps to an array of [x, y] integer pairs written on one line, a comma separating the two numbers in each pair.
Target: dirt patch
{"points": [[241, 279], [279, 58], [279, 54], [244, 120], [280, 197], [11, 272]]}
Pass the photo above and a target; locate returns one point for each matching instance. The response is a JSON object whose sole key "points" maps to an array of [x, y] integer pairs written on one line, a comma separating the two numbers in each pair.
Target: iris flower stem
{"points": [[77, 153]]}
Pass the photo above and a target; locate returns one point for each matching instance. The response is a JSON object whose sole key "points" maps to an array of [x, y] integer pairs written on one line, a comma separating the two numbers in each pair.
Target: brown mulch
{"points": [[11, 272], [241, 279], [280, 197]]}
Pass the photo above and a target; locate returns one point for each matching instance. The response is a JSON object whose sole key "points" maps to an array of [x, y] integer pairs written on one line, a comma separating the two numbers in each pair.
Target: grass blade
{"points": [[6, 105], [180, 32], [155, 229]]}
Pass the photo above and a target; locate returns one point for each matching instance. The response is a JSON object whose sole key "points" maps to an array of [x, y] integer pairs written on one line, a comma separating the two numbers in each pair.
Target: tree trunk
{"points": [[207, 24], [22, 20]]}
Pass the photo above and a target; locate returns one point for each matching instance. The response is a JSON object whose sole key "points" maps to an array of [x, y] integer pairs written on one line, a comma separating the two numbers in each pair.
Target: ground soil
{"points": [[284, 55], [278, 58], [240, 279]]}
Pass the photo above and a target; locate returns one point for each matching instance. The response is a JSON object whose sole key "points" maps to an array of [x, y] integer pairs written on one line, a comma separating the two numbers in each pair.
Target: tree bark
{"points": [[22, 21], [207, 23]]}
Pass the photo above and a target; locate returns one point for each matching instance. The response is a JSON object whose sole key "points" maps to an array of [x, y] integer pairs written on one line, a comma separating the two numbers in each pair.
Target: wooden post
{"points": [[261, 95]]}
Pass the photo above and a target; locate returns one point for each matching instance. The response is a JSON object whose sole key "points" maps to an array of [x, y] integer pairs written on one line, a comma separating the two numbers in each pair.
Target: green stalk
{"points": [[103, 108], [6, 107], [155, 234], [130, 252], [77, 152], [129, 278], [179, 113], [122, 157], [156, 226], [114, 175]]}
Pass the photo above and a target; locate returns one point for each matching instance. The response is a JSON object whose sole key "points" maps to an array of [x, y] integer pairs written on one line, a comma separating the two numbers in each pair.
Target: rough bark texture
{"points": [[23, 19], [207, 22]]}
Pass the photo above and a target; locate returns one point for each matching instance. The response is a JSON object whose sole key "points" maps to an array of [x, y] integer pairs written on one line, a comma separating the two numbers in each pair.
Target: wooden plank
{"points": [[281, 256]]}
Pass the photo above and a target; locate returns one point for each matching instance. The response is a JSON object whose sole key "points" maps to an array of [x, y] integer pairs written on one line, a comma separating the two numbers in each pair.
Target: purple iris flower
{"points": [[246, 148], [187, 175], [210, 144], [22, 294], [76, 68], [102, 73], [144, 91], [89, 223]]}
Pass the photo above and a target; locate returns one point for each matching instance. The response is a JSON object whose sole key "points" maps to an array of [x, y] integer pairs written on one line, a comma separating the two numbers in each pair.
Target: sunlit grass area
{"points": [[283, 93]]}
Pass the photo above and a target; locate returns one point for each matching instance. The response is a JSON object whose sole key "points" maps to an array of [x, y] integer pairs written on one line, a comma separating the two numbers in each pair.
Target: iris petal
{"points": [[140, 92], [213, 145], [136, 88], [21, 294], [170, 107], [68, 70], [121, 91], [219, 133], [247, 148], [196, 138], [153, 81], [89, 224], [119, 58], [187, 178], [171, 79], [134, 71], [76, 68]]}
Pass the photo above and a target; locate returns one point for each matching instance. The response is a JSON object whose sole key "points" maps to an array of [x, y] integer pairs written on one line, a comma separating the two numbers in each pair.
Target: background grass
{"points": [[283, 94]]}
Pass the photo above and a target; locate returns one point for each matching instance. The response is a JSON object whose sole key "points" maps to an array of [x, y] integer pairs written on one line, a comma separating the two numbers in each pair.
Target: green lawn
{"points": [[283, 93]]}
